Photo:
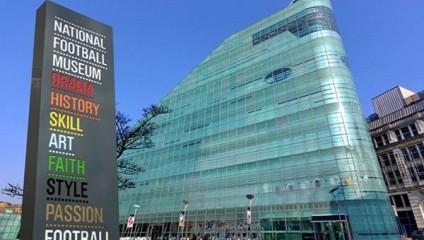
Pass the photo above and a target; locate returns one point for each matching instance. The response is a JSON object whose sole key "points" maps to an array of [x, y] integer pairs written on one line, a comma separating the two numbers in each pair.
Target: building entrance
{"points": [[331, 227]]}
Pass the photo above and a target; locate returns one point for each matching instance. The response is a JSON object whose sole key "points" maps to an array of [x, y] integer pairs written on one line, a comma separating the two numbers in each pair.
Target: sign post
{"points": [[71, 150]]}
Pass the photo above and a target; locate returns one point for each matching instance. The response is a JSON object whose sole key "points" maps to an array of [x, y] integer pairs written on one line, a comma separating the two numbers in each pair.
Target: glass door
{"points": [[331, 230]]}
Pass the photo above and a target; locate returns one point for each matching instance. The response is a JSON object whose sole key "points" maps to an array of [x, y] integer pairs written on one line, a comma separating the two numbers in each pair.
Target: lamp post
{"points": [[185, 202], [334, 193], [249, 212], [136, 207]]}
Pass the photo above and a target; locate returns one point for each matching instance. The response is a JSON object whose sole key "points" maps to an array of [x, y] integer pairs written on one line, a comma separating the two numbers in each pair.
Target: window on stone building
{"points": [[385, 159], [420, 171], [414, 152], [398, 134], [414, 130], [413, 174], [405, 132], [398, 177], [421, 149], [391, 178], [392, 158], [398, 201], [406, 155], [379, 141]]}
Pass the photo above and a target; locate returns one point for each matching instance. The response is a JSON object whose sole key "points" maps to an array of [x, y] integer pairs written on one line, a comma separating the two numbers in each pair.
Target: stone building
{"points": [[397, 130]]}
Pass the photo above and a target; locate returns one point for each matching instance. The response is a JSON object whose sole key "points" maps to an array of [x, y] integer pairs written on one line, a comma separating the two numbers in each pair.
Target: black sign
{"points": [[70, 188]]}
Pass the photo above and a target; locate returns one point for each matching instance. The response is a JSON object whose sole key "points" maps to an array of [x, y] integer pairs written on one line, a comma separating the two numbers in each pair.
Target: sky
{"points": [[158, 42]]}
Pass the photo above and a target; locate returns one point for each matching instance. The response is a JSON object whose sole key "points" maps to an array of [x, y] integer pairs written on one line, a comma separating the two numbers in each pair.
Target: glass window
{"points": [[278, 75], [406, 133], [385, 139], [407, 218], [406, 155], [398, 134], [414, 130], [398, 201], [414, 152], [385, 159], [391, 178], [379, 141], [421, 149], [413, 175], [392, 158], [406, 200], [398, 177], [301, 24], [420, 171]]}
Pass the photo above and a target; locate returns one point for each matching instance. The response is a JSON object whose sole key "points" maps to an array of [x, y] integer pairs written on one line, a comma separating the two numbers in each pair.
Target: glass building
{"points": [[272, 113], [10, 220], [10, 224]]}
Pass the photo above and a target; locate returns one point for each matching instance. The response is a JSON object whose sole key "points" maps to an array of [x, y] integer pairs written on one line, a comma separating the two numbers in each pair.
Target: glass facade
{"points": [[272, 112], [10, 224]]}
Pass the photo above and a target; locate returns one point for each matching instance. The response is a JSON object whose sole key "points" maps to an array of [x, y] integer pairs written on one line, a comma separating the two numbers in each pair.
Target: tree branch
{"points": [[13, 191], [133, 138]]}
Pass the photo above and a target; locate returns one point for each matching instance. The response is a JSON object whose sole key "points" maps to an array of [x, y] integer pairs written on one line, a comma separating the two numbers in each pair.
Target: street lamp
{"points": [[249, 212], [334, 193], [136, 207], [185, 202]]}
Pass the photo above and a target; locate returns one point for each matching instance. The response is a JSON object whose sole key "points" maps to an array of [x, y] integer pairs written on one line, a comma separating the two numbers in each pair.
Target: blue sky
{"points": [[158, 42]]}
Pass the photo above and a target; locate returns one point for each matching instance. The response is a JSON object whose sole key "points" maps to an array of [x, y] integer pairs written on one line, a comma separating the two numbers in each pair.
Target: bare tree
{"points": [[134, 137], [127, 138], [13, 191]]}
